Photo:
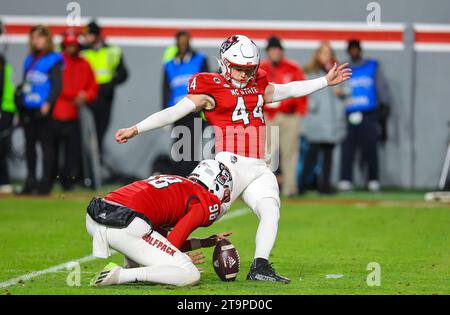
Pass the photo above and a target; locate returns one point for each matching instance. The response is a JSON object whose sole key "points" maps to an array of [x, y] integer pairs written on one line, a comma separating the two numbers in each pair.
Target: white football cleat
{"points": [[345, 185], [374, 186], [108, 276]]}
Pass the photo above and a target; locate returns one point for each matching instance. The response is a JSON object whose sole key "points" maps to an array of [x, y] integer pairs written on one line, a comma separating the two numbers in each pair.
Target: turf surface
{"points": [[317, 237]]}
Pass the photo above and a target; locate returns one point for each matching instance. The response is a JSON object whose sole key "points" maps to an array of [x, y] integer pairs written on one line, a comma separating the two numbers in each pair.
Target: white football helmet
{"points": [[215, 177], [238, 51]]}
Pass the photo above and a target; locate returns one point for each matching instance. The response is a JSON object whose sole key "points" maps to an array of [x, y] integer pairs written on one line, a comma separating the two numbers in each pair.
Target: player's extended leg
{"points": [[240, 169], [163, 263], [262, 196]]}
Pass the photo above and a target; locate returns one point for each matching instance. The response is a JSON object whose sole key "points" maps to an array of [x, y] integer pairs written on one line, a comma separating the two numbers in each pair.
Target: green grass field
{"points": [[317, 237]]}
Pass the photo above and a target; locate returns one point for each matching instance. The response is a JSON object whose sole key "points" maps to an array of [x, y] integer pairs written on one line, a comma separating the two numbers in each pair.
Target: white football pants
{"points": [[162, 262], [259, 188]]}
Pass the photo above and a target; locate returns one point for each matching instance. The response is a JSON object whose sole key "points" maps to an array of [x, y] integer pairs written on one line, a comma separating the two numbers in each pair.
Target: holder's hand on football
{"points": [[197, 259], [122, 135], [214, 239], [339, 74]]}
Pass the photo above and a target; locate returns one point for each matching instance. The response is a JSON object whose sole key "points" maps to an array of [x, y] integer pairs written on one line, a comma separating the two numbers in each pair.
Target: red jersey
{"points": [[77, 76], [284, 72], [238, 116], [170, 201]]}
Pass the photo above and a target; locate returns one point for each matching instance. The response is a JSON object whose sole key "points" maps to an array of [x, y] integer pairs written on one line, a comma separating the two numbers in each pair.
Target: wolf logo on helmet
{"points": [[215, 177], [230, 41], [224, 178]]}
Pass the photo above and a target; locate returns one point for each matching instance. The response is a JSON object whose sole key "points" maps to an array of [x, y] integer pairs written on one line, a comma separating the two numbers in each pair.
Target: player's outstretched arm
{"points": [[338, 74], [210, 241], [163, 118], [279, 92], [214, 239]]}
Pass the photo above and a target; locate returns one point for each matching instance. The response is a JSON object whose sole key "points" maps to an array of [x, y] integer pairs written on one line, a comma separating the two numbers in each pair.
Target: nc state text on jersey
{"points": [[246, 91]]}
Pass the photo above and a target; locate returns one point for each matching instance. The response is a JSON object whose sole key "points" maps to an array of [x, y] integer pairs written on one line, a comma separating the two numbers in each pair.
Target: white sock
{"points": [[160, 274], [269, 215]]}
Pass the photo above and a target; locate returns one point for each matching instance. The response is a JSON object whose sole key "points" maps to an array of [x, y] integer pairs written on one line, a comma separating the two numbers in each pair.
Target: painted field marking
{"points": [[234, 214], [334, 276], [34, 274]]}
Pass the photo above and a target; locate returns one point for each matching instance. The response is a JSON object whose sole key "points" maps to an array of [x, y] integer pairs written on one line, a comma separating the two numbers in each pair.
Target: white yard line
{"points": [[34, 274], [234, 214]]}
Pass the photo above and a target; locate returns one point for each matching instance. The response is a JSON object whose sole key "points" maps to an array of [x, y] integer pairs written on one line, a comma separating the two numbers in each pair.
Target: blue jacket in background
{"points": [[37, 84], [178, 74], [363, 85]]}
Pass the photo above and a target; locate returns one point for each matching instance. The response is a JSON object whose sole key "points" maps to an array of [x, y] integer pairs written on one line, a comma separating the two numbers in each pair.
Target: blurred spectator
{"points": [[170, 53], [7, 110], [35, 98], [78, 89], [109, 67], [177, 72], [324, 125], [369, 92], [286, 114]]}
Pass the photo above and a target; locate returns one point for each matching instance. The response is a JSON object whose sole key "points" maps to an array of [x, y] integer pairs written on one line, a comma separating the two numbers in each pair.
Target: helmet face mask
{"points": [[250, 73], [239, 52]]}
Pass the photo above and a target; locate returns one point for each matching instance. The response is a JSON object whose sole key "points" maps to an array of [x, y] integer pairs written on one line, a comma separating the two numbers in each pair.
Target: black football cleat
{"points": [[262, 270]]}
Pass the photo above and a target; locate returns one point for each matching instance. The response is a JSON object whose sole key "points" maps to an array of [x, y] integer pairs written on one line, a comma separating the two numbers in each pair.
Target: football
{"points": [[226, 260]]}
